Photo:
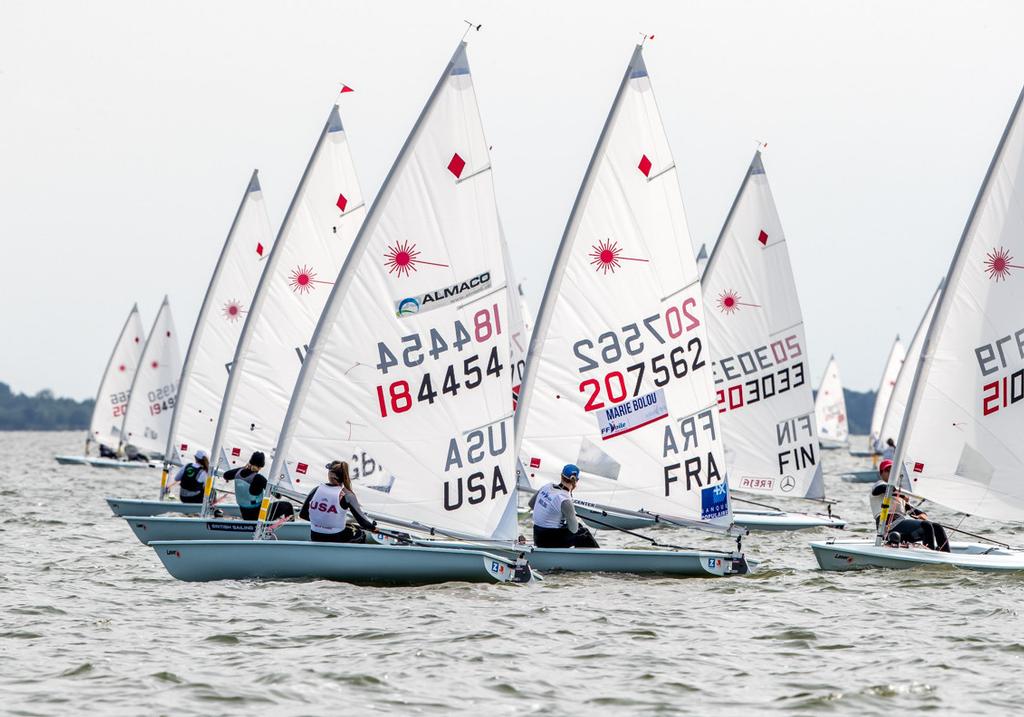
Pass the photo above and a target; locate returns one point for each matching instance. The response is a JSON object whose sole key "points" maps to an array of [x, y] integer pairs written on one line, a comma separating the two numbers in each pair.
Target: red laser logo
{"points": [[997, 264], [233, 311], [606, 256], [402, 259], [729, 302]]}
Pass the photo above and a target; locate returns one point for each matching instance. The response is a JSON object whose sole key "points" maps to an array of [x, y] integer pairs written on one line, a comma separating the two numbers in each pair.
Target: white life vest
{"points": [[547, 509], [897, 507], [325, 512]]}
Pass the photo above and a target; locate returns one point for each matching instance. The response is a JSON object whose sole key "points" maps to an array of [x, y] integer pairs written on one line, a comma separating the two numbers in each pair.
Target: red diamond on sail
{"points": [[154, 364], [919, 467], [535, 463], [763, 238], [184, 447], [259, 248], [122, 368], [342, 202], [645, 166], [301, 468], [235, 452], [456, 165]]}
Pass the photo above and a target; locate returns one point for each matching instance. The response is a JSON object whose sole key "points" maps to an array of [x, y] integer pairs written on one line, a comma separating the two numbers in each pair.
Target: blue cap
{"points": [[571, 471]]}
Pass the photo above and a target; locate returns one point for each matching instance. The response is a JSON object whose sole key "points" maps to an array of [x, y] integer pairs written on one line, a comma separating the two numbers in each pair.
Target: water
{"points": [[90, 623]]}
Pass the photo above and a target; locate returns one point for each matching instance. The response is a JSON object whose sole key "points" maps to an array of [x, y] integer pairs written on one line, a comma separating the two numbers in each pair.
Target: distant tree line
{"points": [[42, 412]]}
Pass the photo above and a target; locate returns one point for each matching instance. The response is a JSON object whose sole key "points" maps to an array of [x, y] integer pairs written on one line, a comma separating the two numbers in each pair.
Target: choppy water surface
{"points": [[91, 623]]}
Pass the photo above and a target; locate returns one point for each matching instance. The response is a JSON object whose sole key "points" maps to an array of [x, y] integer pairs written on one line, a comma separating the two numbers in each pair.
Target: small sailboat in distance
{"points": [[112, 396], [830, 409], [893, 418], [960, 444], [890, 372], [147, 415]]}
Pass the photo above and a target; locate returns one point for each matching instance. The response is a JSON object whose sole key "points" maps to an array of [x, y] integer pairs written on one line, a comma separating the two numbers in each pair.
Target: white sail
{"points": [[756, 329], [830, 405], [410, 360], [313, 242], [901, 391], [221, 317], [961, 441], [518, 334], [893, 364], [154, 389], [115, 386], [619, 380]]}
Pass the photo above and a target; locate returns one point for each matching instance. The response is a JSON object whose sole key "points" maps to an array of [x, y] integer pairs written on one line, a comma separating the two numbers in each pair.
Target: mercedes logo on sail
{"points": [[788, 483]]}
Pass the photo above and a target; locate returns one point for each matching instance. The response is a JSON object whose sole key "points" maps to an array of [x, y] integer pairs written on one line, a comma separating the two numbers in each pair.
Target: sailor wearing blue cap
{"points": [[555, 524]]}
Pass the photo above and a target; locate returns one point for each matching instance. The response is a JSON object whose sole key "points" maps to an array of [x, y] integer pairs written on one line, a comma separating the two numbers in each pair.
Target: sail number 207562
{"points": [[611, 346]]}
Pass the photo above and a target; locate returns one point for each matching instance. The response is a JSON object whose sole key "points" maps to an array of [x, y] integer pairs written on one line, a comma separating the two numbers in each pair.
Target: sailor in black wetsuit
{"points": [[907, 524], [554, 516], [192, 477], [250, 486], [327, 507]]}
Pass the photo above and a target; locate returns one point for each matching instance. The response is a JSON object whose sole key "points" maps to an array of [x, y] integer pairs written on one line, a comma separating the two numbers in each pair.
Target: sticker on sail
{"points": [[714, 501], [458, 291], [632, 414]]}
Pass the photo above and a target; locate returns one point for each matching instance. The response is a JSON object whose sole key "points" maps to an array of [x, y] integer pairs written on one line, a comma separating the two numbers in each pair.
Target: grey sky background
{"points": [[128, 131]]}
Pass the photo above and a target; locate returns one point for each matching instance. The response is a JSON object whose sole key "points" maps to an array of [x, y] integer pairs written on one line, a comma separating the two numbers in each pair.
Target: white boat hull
{"points": [[676, 563], [72, 460], [762, 521], [860, 554], [148, 529], [203, 560], [119, 464], [124, 507], [860, 476], [832, 444], [862, 454], [672, 563]]}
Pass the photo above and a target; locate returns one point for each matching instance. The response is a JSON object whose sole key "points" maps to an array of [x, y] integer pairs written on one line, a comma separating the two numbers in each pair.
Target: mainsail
{"points": [[901, 391], [619, 379], [893, 364], [759, 349], [221, 317], [115, 386], [313, 242], [961, 440], [154, 389], [830, 405], [410, 361]]}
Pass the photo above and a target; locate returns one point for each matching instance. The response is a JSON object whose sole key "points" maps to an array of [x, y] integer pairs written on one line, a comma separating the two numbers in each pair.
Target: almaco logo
{"points": [[442, 297]]}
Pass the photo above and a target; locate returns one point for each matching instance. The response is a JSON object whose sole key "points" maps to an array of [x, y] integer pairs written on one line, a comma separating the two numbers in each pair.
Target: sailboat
{"points": [[112, 395], [830, 409], [147, 415], [207, 363], [960, 441], [759, 353], [893, 363], [618, 378], [409, 362], [315, 237], [897, 404]]}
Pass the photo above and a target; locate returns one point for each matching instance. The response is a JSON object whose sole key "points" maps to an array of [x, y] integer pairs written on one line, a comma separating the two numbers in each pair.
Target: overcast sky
{"points": [[128, 131]]}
